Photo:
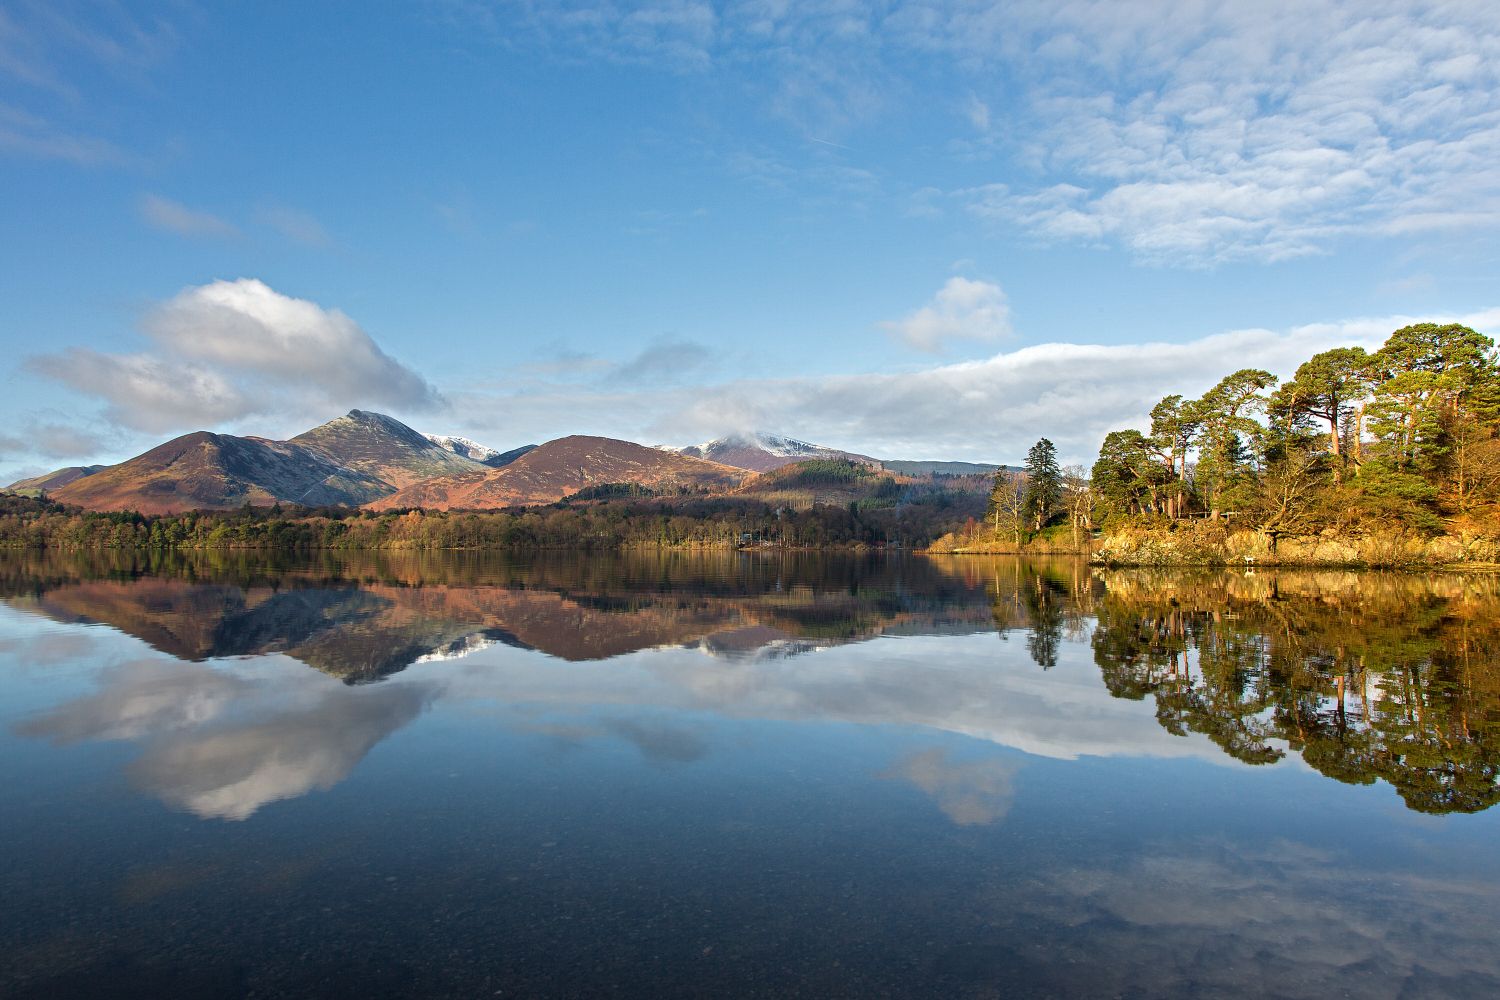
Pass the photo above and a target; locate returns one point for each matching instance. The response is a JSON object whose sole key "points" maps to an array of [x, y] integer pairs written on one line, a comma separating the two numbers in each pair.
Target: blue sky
{"points": [[935, 229]]}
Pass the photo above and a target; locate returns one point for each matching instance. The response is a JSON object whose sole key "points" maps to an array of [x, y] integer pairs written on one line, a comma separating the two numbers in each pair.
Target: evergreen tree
{"points": [[1043, 483]]}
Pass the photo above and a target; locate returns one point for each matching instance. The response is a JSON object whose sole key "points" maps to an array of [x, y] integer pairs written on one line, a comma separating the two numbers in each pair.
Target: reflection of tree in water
{"points": [[1049, 600], [1367, 677]]}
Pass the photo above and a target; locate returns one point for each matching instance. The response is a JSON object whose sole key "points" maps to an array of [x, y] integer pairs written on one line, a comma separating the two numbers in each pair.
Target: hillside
{"points": [[204, 471], [562, 467], [383, 448], [54, 480]]}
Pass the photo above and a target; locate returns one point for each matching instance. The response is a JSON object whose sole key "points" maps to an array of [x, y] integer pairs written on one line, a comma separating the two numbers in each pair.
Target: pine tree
{"points": [[1043, 483]]}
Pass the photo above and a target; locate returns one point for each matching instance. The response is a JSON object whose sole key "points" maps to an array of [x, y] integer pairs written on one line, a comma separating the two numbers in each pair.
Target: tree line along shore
{"points": [[1383, 458], [600, 524]]}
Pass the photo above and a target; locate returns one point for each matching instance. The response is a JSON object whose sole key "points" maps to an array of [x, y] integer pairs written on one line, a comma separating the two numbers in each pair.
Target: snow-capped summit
{"points": [[482, 454], [762, 452], [462, 446]]}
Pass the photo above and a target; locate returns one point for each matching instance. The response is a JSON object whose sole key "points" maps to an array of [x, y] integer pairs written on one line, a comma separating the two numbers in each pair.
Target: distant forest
{"points": [[603, 517]]}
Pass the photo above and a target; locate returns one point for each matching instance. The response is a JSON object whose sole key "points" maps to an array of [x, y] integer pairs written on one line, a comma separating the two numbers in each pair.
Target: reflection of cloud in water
{"points": [[1191, 920], [231, 772], [138, 699], [221, 742], [971, 685], [48, 648], [970, 793], [659, 741]]}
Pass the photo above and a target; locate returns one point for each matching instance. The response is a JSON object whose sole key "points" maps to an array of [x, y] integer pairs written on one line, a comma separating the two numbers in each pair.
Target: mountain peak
{"points": [[471, 449], [760, 451], [384, 447]]}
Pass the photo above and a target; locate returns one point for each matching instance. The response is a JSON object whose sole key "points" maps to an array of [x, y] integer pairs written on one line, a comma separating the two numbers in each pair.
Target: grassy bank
{"points": [[1203, 543], [977, 539]]}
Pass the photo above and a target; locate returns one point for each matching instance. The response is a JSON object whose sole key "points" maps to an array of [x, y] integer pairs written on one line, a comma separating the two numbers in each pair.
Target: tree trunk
{"points": [[1359, 434]]}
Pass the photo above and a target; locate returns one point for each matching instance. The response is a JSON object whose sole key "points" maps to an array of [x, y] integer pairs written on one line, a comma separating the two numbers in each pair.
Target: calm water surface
{"points": [[744, 775]]}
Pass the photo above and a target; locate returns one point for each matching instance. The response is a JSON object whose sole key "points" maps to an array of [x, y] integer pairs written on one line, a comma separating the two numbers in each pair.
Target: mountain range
{"points": [[369, 459]]}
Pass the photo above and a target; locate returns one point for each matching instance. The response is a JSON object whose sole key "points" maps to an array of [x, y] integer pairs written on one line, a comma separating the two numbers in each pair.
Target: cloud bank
{"points": [[230, 350], [985, 410]]}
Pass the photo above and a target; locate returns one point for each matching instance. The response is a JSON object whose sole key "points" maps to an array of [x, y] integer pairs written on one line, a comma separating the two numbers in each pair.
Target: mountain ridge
{"points": [[207, 471], [369, 459], [561, 467]]}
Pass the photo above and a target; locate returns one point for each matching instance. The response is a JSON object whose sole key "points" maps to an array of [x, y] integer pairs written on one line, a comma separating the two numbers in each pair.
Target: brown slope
{"points": [[560, 468], [382, 447], [54, 480], [203, 471]]}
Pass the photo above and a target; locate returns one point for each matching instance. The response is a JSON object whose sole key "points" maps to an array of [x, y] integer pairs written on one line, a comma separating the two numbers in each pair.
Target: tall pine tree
{"points": [[1043, 483]]}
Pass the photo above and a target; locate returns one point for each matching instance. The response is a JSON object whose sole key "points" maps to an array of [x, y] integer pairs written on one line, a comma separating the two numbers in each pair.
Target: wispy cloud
{"points": [[42, 47], [1229, 132], [147, 393], [40, 444], [28, 135], [1224, 132], [175, 217], [295, 225], [665, 360], [59, 440]]}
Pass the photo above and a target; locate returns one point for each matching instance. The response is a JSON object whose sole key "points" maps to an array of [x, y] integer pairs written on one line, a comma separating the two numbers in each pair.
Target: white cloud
{"points": [[147, 393], [232, 349], [175, 217], [963, 309], [987, 410], [1240, 132]]}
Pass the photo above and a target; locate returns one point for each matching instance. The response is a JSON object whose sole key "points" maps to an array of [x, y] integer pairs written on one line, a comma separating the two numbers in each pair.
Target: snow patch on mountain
{"points": [[761, 452], [773, 444], [464, 447]]}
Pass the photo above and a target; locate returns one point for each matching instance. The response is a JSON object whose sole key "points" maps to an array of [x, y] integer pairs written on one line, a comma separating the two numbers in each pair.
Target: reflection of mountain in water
{"points": [[361, 621], [1368, 677]]}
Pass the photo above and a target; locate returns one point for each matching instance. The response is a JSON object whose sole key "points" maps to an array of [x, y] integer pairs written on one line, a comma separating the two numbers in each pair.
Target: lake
{"points": [[743, 774]]}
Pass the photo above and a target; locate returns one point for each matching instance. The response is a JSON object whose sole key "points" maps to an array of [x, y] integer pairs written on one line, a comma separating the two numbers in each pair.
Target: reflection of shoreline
{"points": [[1360, 677], [1365, 676], [361, 629], [223, 740]]}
